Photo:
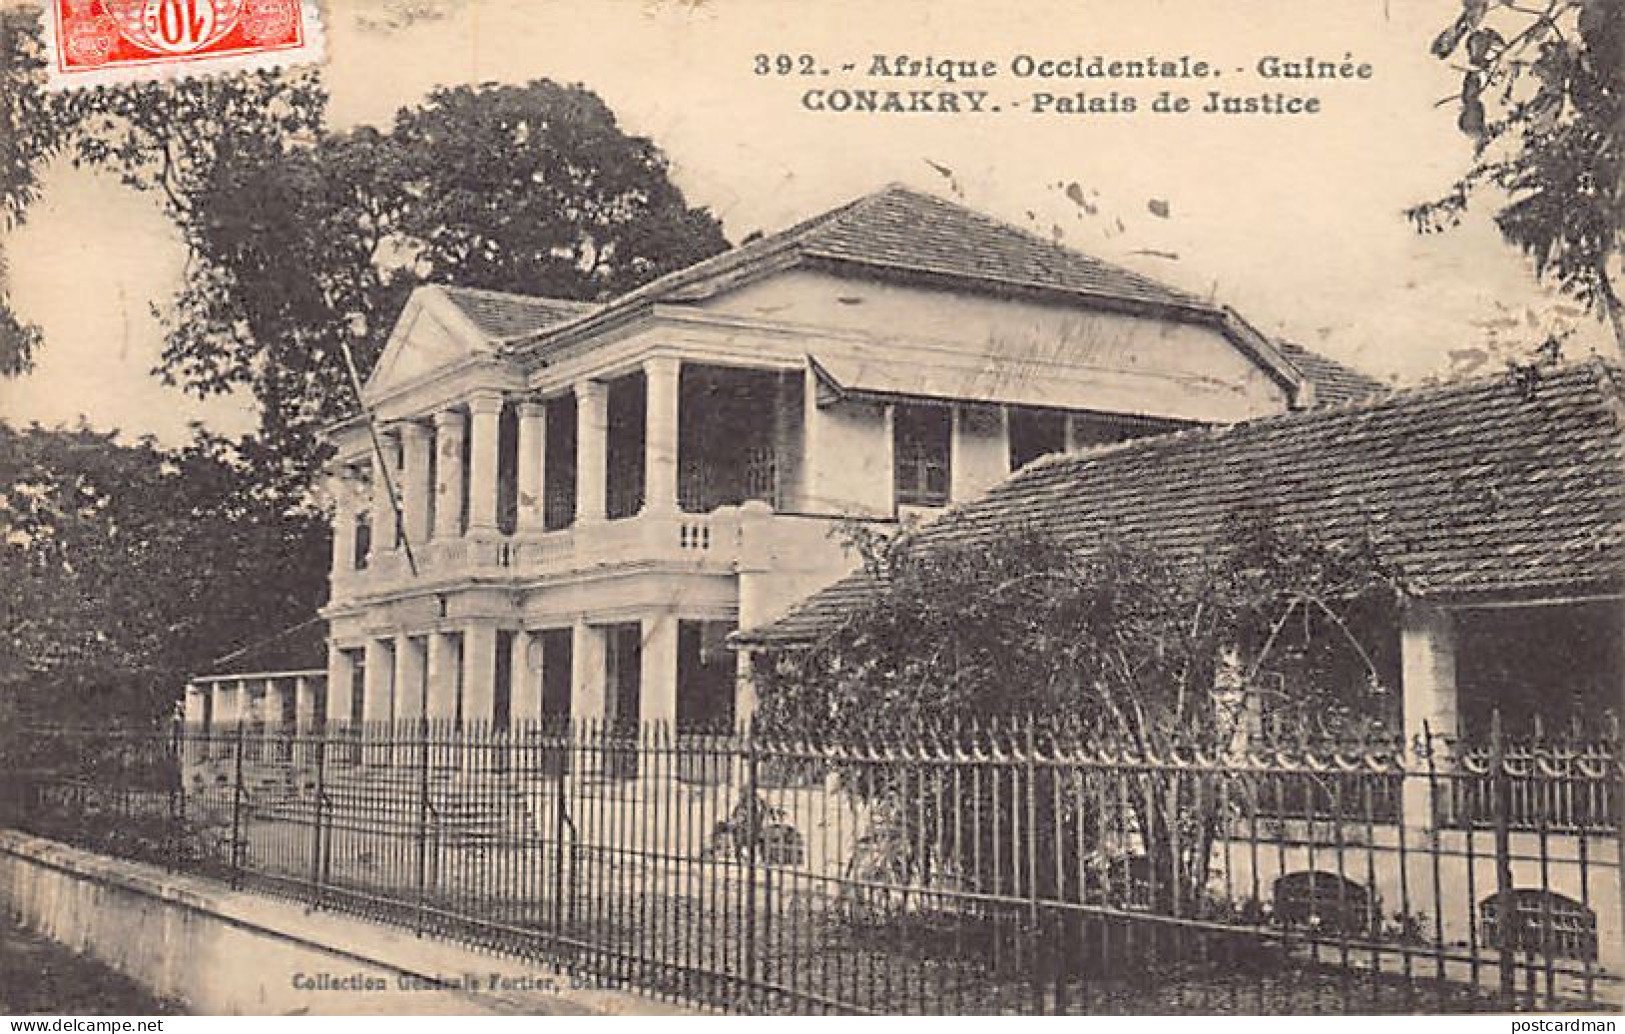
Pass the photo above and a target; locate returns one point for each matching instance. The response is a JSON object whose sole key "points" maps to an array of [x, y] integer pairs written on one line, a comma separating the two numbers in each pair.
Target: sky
{"points": [[1294, 220]]}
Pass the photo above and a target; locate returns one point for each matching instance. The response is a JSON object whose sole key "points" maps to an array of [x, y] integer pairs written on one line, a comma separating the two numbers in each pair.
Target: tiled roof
{"points": [[301, 648], [1476, 489], [903, 232], [503, 316], [1333, 381], [902, 229]]}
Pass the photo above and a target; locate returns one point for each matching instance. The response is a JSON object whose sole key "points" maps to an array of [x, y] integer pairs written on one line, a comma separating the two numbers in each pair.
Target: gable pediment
{"points": [[431, 335]]}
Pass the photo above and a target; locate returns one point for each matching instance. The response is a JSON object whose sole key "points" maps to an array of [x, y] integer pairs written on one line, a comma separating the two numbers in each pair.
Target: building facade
{"points": [[1500, 507], [591, 498]]}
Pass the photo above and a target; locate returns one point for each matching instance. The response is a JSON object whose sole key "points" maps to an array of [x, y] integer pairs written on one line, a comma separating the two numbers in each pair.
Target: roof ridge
{"points": [[739, 253], [988, 220], [1393, 397], [521, 296]]}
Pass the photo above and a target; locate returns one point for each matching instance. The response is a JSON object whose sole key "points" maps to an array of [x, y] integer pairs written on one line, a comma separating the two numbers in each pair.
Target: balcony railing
{"points": [[702, 487]]}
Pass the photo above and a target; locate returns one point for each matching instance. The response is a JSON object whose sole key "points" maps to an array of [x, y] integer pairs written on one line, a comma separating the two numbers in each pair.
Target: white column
{"points": [[1427, 657], [592, 449], [485, 410], [587, 672], [248, 715], [479, 672], [384, 520], [658, 677], [448, 482], [409, 690], [1428, 670], [344, 513], [276, 733], [415, 488], [339, 685], [980, 450], [377, 701], [223, 728], [661, 376], [526, 702], [304, 717], [220, 730], [756, 605], [441, 704], [532, 461], [195, 709], [304, 702], [410, 665]]}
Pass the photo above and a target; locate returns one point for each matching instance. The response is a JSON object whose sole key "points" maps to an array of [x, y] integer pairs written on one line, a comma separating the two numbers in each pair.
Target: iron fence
{"points": [[995, 869]]}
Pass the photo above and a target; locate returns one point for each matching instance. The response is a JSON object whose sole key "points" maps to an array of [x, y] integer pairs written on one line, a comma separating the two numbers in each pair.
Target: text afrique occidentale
{"points": [[1275, 70]]}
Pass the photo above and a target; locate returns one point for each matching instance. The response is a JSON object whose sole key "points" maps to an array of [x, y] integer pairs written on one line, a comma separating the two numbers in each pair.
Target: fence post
{"points": [[1506, 918], [1614, 764], [753, 835], [319, 805], [561, 767], [178, 805], [237, 792], [420, 866]]}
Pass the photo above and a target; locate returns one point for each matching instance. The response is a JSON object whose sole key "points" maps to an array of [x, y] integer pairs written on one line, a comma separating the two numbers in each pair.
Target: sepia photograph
{"points": [[617, 508]]}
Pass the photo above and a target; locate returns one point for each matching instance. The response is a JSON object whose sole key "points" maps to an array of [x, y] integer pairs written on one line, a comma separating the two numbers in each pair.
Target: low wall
{"points": [[219, 951]]}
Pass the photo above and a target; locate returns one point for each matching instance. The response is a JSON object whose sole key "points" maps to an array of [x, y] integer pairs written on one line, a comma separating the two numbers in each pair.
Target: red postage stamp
{"points": [[101, 41]]}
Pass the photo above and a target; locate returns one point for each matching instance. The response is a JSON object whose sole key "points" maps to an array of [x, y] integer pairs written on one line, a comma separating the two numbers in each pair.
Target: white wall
{"points": [[846, 458], [1096, 360], [981, 450]]}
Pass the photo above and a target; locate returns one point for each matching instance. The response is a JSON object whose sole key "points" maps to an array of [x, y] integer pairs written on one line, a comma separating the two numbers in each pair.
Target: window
{"points": [[1542, 922], [363, 542], [1035, 433], [921, 447]]}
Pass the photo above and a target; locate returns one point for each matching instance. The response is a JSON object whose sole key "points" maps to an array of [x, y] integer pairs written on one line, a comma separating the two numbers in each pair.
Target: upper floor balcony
{"points": [[659, 463], [669, 463]]}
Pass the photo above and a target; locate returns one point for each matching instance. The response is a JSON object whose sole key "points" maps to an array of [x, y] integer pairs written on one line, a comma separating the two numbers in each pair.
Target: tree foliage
{"points": [[533, 189], [1124, 639], [162, 137], [130, 566], [1543, 97], [128, 569], [301, 238], [1120, 646]]}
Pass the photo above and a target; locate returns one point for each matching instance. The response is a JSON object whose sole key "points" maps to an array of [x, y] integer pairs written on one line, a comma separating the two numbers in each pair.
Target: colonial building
{"points": [[593, 497], [1500, 506]]}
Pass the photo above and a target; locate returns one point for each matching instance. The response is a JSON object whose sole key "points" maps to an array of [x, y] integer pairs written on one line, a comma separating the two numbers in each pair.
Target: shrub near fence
{"points": [[997, 869]]}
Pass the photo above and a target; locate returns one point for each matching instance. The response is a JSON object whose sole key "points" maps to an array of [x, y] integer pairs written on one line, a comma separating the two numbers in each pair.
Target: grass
{"points": [[39, 976]]}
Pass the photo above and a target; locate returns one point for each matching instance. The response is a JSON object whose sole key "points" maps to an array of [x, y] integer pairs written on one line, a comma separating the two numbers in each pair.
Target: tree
{"points": [[159, 137], [302, 238], [1121, 646], [531, 188], [1543, 97], [128, 569]]}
